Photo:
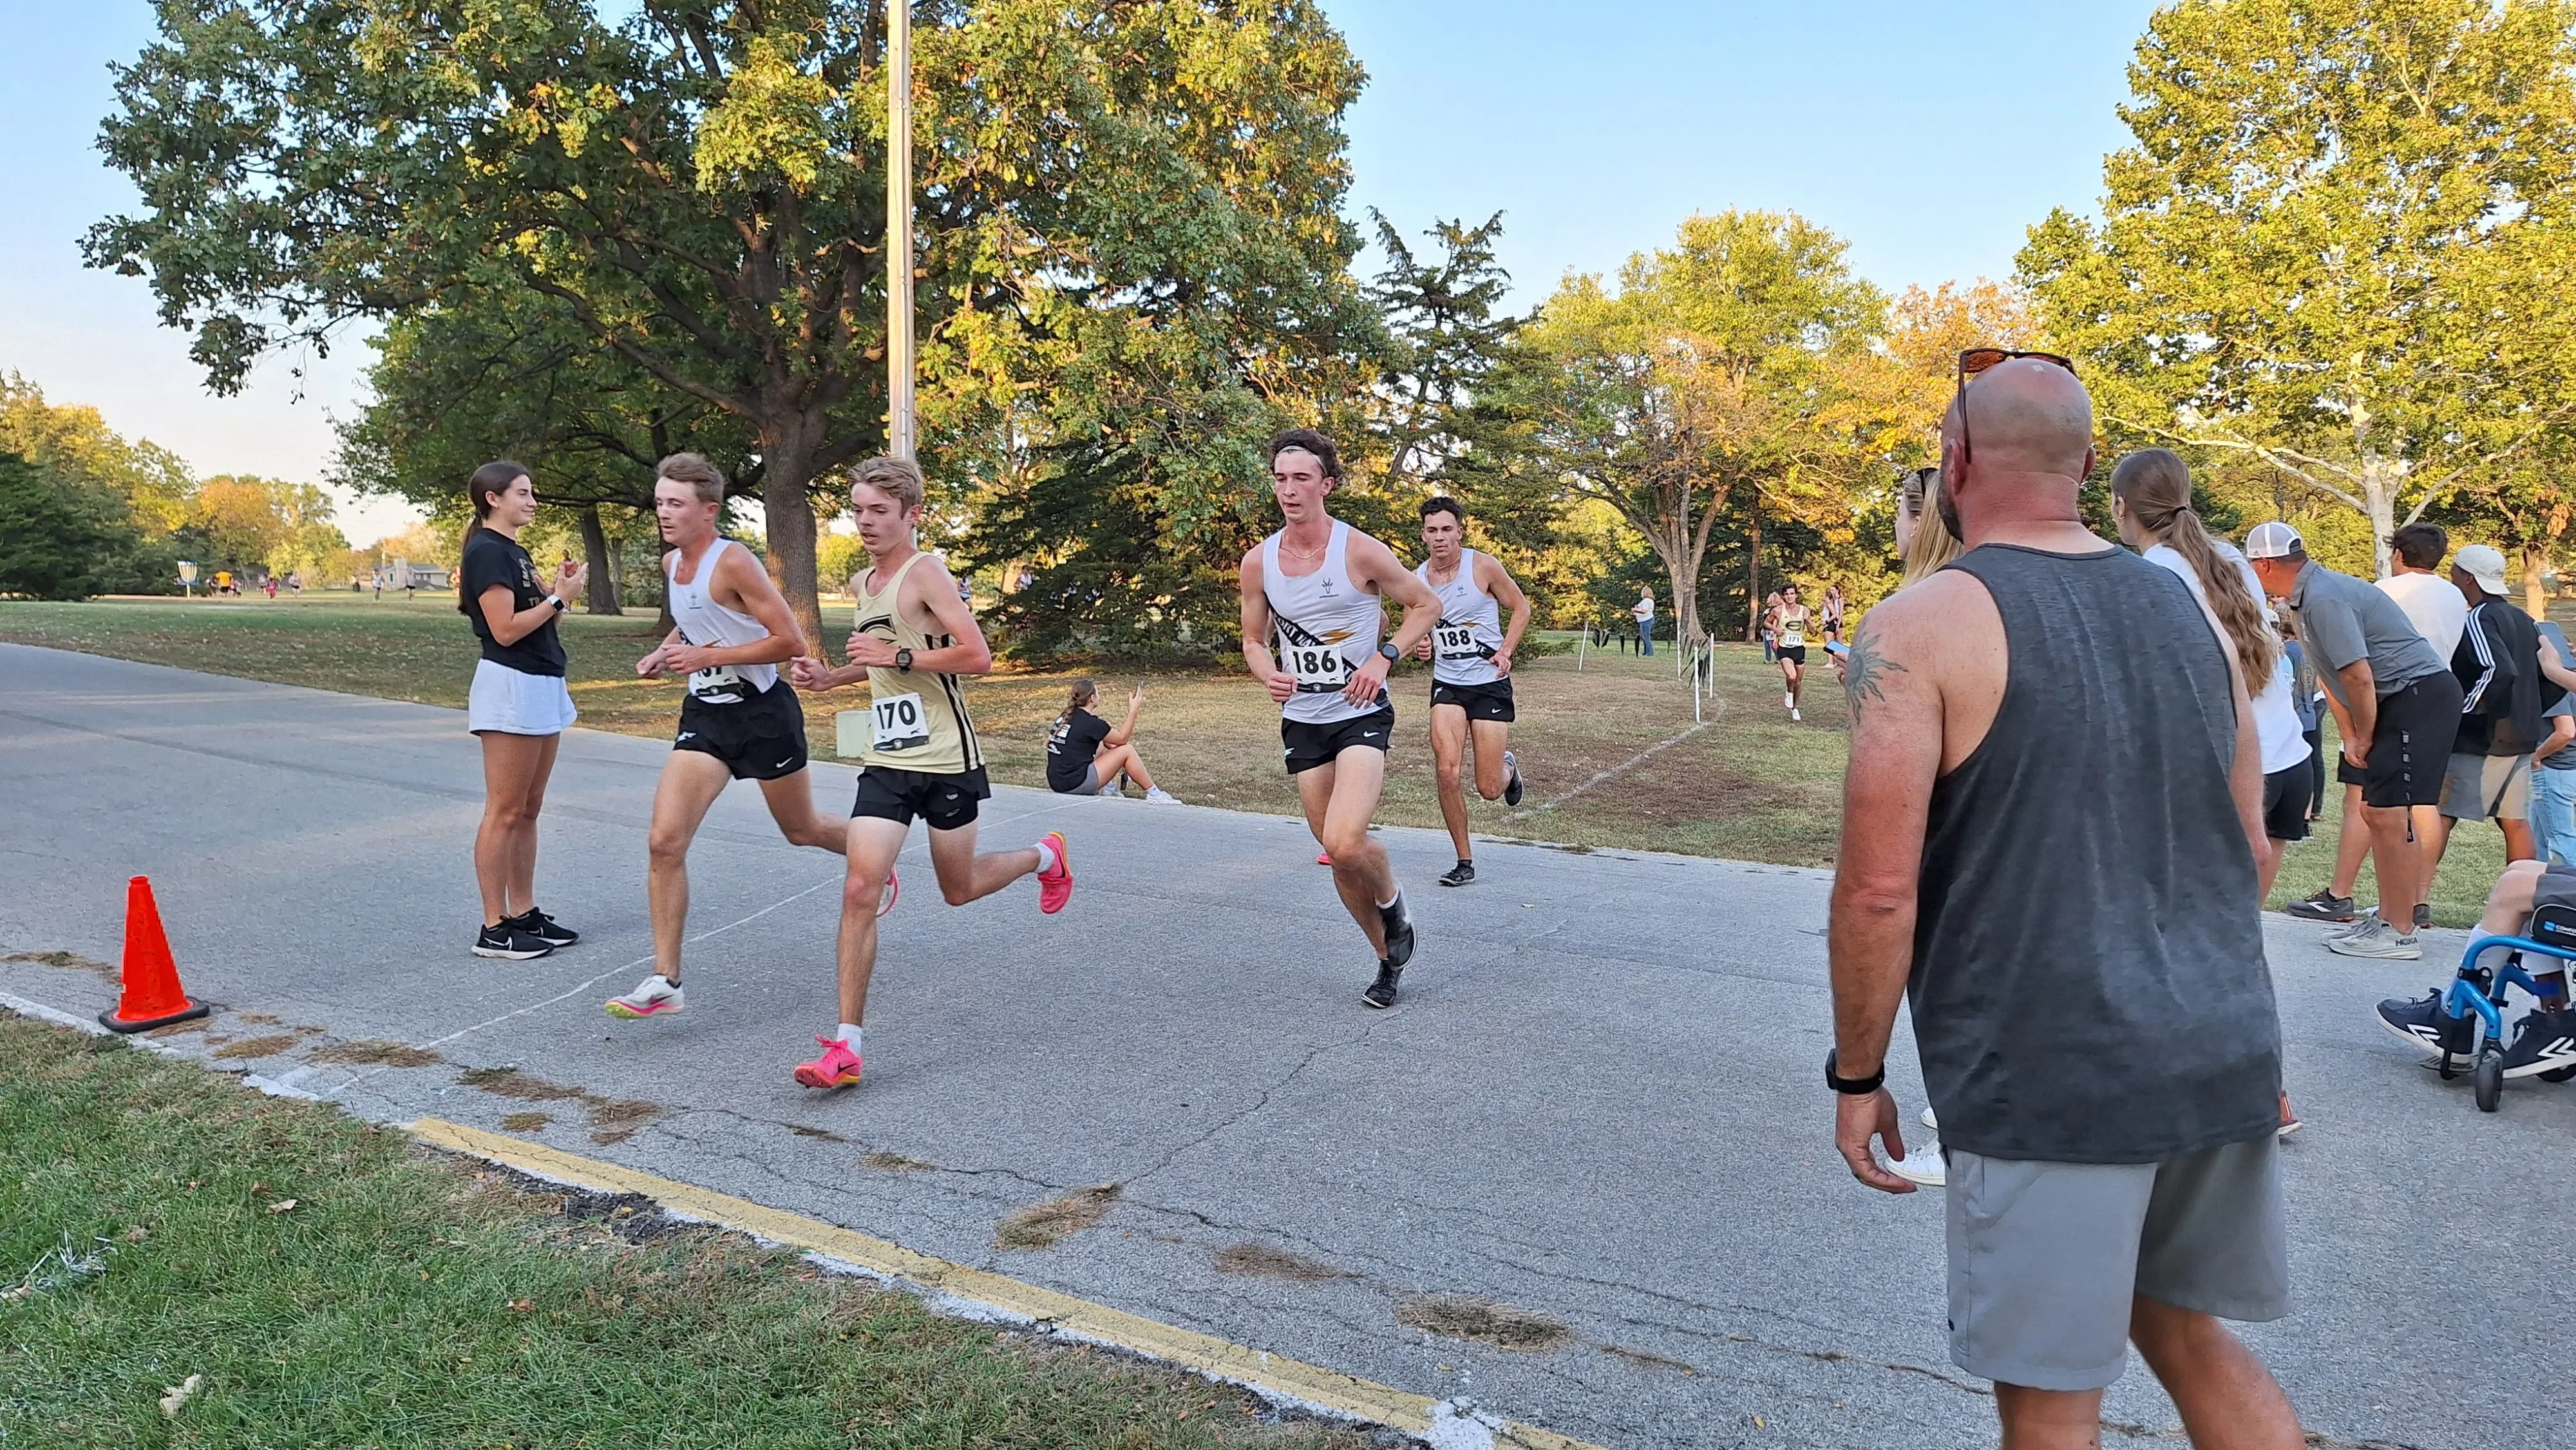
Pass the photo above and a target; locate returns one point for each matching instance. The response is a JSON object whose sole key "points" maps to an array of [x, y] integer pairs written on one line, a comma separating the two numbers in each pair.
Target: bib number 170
{"points": [[901, 723]]}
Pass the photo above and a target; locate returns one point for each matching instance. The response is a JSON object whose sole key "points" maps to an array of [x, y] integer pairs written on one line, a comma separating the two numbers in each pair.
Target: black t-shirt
{"points": [[1071, 745], [491, 559]]}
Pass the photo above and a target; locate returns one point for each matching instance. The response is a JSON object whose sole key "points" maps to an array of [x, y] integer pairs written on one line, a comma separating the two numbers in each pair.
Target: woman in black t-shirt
{"points": [[1086, 757], [518, 706]]}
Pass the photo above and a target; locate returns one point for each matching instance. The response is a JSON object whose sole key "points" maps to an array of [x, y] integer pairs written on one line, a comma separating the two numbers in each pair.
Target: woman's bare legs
{"points": [[515, 770]]}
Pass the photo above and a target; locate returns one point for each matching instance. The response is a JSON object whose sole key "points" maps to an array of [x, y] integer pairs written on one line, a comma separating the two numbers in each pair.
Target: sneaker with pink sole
{"points": [[838, 1067], [1055, 887]]}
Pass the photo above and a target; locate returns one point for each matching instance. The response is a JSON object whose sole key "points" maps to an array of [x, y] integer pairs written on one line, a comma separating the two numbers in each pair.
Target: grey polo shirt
{"points": [[2343, 619]]}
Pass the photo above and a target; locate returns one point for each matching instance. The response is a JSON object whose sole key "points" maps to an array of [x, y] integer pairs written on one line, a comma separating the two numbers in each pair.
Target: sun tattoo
{"points": [[1861, 673]]}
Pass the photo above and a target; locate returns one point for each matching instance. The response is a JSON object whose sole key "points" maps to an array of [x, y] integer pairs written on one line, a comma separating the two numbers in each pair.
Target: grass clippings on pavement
{"points": [[1269, 1263], [525, 1122], [69, 961], [885, 1162], [377, 1054], [410, 1301], [1044, 1225], [258, 1046], [1461, 1316], [509, 1082]]}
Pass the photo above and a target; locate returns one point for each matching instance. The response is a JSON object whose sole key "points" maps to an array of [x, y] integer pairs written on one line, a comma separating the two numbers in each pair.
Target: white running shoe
{"points": [[1162, 795], [2382, 942], [1788, 701], [653, 998], [2354, 927], [1931, 1121], [1923, 1166], [1112, 791], [1793, 713]]}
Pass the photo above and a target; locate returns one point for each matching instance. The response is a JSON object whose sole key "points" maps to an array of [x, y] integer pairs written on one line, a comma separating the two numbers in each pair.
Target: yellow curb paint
{"points": [[1216, 1358]]}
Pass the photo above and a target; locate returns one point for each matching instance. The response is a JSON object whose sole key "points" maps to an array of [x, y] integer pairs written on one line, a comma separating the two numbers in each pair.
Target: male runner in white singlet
{"points": [[731, 630], [1314, 589], [1470, 650], [916, 640]]}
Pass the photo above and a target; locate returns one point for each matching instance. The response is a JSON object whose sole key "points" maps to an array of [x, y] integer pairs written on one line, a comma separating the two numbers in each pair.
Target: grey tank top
{"points": [[2089, 983], [1470, 630]]}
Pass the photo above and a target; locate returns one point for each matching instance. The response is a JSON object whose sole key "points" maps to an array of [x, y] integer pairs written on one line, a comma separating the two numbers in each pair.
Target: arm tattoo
{"points": [[1863, 671]]}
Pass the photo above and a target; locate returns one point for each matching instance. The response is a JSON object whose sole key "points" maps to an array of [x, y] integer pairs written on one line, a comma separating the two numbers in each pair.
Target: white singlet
{"points": [[1325, 627], [708, 625], [1470, 628]]}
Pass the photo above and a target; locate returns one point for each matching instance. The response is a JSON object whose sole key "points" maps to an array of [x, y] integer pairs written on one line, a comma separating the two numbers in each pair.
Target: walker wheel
{"points": [[2486, 1080], [2559, 1074]]}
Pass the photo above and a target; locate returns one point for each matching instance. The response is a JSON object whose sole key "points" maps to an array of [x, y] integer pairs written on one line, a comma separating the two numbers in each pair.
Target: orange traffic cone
{"points": [[152, 996]]}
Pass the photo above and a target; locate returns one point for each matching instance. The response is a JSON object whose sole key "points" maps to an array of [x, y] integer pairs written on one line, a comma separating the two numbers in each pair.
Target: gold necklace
{"points": [[1301, 553]]}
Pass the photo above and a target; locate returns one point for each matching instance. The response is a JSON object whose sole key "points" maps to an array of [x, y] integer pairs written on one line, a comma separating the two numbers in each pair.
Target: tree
{"points": [[241, 518], [1125, 209], [2344, 243], [1706, 374], [1444, 339], [74, 442], [60, 538]]}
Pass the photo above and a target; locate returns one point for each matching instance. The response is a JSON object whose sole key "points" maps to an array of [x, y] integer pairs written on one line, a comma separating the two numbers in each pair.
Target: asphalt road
{"points": [[1598, 1101]]}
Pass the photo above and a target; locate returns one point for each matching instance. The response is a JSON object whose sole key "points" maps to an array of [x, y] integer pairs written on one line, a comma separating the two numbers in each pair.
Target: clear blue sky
{"points": [[1929, 134]]}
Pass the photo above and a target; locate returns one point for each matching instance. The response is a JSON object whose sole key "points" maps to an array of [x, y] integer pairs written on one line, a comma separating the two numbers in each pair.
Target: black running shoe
{"points": [[2323, 906], [1381, 993], [1460, 874], [543, 927], [509, 943], [2543, 1042], [1399, 933], [2423, 916], [1512, 790], [2424, 1024]]}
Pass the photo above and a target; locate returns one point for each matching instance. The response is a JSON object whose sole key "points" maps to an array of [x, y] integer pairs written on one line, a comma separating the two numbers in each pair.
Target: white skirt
{"points": [[511, 702]]}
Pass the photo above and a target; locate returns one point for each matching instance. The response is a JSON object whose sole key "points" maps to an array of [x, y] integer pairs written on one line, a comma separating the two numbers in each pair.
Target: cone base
{"points": [[113, 1023]]}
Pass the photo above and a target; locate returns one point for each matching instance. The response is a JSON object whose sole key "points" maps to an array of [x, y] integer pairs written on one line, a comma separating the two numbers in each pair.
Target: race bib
{"points": [[716, 684], [901, 723], [1794, 635], [1319, 669], [1455, 641]]}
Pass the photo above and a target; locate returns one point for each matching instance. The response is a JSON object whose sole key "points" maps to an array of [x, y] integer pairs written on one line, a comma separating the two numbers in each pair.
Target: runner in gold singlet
{"points": [[916, 640], [1789, 623]]}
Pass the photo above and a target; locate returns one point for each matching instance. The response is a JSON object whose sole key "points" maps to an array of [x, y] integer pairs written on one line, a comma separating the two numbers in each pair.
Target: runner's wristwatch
{"points": [[903, 661], [1858, 1087], [1389, 651]]}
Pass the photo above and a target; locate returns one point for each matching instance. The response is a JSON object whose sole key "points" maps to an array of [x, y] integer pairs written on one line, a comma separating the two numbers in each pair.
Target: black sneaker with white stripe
{"points": [[2425, 1025], [1381, 993], [1512, 787], [2543, 1042], [1460, 874], [544, 928], [510, 944]]}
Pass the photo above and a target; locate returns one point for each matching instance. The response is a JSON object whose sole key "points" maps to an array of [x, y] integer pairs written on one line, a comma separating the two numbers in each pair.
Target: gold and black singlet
{"points": [[918, 718]]}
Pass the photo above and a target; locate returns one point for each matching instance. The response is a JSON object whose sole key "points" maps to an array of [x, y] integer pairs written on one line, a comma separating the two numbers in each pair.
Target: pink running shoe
{"points": [[652, 999], [1055, 888], [838, 1067], [1323, 858], [893, 889]]}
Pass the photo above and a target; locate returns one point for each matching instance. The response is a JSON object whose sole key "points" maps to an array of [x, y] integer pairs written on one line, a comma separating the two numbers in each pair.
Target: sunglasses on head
{"points": [[1978, 360]]}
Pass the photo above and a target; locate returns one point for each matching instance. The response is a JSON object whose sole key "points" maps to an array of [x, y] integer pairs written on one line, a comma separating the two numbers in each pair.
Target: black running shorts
{"points": [[946, 802], [758, 738], [2410, 749], [1481, 702], [1795, 654], [1308, 746], [2285, 803]]}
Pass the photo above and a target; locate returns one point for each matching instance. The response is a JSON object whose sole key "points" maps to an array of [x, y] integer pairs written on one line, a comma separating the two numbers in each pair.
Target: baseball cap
{"points": [[2484, 564], [2275, 540]]}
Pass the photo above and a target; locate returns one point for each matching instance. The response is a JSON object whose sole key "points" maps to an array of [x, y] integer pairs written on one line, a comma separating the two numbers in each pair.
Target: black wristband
{"points": [[1858, 1087]]}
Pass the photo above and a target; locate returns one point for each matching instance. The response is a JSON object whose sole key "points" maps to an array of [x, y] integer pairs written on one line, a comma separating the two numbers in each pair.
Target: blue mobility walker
{"points": [[2476, 997]]}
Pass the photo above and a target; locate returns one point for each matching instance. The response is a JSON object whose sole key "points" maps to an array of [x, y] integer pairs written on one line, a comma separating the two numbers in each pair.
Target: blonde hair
{"points": [[900, 477], [2155, 484], [1931, 549]]}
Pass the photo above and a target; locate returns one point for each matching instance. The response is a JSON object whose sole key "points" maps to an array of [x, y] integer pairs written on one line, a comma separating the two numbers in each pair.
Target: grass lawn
{"points": [[1752, 786], [327, 1284]]}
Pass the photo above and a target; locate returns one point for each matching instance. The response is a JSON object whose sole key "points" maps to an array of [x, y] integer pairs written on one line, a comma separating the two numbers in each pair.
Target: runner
{"points": [[1315, 590], [1789, 643], [1832, 612], [1471, 651], [518, 706], [915, 640], [731, 630]]}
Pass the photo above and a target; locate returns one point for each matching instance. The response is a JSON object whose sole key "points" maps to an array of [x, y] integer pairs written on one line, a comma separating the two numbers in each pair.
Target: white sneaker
{"points": [[2354, 927], [1793, 713], [1112, 791], [1923, 1166], [653, 998], [1930, 1121], [1162, 795], [2382, 942], [1788, 701]]}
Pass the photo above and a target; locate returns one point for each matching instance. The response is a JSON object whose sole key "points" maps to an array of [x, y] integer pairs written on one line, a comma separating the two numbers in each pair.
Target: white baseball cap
{"points": [[2482, 563], [2275, 540]]}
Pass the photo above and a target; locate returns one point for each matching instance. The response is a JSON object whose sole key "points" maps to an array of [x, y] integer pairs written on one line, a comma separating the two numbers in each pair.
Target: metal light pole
{"points": [[900, 431]]}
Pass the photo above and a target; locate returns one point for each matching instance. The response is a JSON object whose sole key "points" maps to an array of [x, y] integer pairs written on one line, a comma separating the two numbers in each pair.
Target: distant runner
{"points": [[1790, 622], [731, 630], [1312, 591], [916, 640], [1471, 651]]}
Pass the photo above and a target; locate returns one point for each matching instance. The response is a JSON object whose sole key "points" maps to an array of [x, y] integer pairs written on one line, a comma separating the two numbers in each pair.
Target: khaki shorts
{"points": [[2044, 1257], [2487, 787]]}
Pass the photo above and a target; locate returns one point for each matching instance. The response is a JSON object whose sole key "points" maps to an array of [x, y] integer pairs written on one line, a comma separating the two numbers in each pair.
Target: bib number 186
{"points": [[901, 723], [1319, 668]]}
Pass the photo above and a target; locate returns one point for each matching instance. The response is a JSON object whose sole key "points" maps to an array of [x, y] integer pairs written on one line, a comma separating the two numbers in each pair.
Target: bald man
{"points": [[2090, 1001]]}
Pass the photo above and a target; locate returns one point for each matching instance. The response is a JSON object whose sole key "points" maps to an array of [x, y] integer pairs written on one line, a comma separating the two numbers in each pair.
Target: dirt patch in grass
{"points": [[526, 1122], [1482, 1321], [258, 1046], [885, 1162], [70, 961], [1270, 1263], [509, 1082], [378, 1054], [1044, 1225]]}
